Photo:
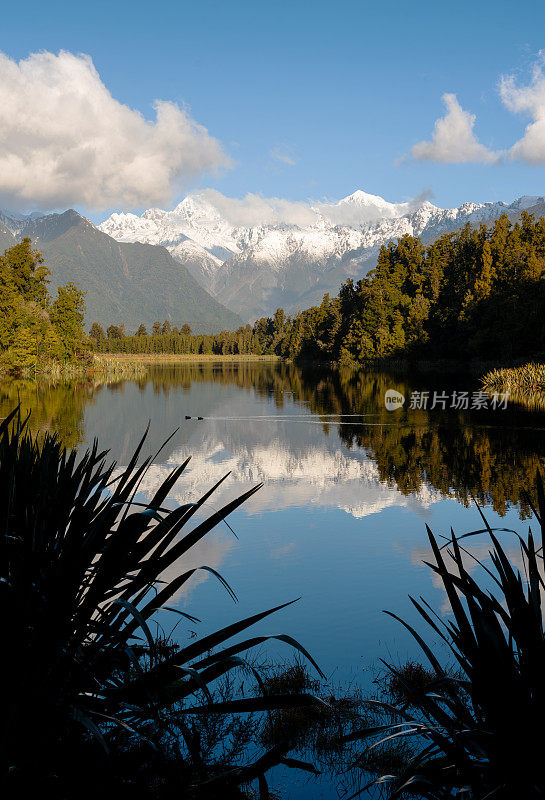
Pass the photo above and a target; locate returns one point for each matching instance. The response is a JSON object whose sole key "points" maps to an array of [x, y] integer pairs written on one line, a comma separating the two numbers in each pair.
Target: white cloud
{"points": [[64, 140], [283, 155], [453, 139], [256, 210], [529, 100], [356, 209], [351, 212]]}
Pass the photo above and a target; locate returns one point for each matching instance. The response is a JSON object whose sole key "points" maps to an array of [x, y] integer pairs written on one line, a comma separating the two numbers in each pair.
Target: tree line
{"points": [[34, 327], [478, 292], [164, 338]]}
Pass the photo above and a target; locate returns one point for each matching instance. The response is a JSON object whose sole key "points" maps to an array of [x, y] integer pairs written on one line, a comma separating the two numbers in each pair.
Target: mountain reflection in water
{"points": [[295, 430]]}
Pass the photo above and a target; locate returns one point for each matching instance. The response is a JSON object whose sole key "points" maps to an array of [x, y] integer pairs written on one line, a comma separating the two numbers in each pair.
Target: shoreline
{"points": [[172, 358], [524, 380]]}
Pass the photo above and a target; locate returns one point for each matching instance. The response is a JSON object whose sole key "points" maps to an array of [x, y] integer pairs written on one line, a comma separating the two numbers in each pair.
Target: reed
{"points": [[524, 380], [105, 369]]}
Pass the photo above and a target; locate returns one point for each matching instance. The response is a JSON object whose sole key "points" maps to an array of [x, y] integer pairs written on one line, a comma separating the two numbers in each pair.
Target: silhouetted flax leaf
{"points": [[478, 727], [82, 575]]}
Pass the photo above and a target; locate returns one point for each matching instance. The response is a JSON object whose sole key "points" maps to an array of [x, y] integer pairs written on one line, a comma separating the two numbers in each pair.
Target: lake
{"points": [[348, 487]]}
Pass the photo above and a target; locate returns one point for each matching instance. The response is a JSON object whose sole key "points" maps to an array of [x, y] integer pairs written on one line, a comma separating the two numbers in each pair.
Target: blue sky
{"points": [[343, 90]]}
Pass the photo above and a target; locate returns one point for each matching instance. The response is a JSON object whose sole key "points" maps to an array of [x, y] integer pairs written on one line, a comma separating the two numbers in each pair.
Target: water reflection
{"points": [[339, 519], [294, 429], [299, 467], [54, 408]]}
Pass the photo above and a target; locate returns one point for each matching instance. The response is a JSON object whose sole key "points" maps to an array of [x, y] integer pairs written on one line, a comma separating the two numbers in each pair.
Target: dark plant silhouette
{"points": [[476, 735], [88, 690]]}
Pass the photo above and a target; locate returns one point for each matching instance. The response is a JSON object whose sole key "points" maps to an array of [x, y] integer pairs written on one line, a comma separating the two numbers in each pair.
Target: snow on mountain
{"points": [[526, 201], [298, 251], [15, 222], [359, 208], [194, 232]]}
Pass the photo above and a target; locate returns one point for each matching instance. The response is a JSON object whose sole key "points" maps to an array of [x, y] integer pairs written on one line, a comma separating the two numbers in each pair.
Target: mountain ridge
{"points": [[126, 282], [255, 268]]}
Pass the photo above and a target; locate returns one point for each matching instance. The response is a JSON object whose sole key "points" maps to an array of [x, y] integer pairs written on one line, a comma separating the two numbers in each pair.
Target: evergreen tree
{"points": [[51, 346], [113, 332], [67, 313], [28, 274], [483, 283], [97, 332], [32, 328], [23, 353]]}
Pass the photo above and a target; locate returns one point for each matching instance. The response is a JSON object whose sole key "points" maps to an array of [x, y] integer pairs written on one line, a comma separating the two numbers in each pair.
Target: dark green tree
{"points": [[67, 314], [114, 332], [32, 328], [97, 332]]}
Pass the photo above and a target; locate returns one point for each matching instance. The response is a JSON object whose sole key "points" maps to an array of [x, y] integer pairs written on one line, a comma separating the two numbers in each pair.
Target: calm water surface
{"points": [[340, 519]]}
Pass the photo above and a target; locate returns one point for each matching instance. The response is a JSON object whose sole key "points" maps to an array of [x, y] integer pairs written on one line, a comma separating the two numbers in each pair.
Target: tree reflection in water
{"points": [[487, 455]]}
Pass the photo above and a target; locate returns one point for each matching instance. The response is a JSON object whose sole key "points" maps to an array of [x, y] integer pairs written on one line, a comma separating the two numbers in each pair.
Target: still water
{"points": [[348, 487]]}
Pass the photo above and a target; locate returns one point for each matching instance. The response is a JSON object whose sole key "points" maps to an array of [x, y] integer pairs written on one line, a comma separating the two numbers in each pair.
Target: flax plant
{"points": [[475, 734], [88, 691]]}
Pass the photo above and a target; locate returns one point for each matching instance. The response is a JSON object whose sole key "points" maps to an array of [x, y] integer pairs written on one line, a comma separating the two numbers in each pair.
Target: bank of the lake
{"points": [[175, 358]]}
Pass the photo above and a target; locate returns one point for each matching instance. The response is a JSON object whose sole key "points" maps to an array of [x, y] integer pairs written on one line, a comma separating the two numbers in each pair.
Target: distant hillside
{"points": [[125, 283], [7, 239]]}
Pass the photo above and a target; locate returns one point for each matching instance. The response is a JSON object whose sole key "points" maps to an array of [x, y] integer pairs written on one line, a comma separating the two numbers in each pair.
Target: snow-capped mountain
{"points": [[195, 233], [256, 255]]}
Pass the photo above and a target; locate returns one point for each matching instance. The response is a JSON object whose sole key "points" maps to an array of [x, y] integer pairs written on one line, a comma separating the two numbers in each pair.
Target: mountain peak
{"points": [[361, 208], [196, 207], [51, 226], [264, 260], [362, 198]]}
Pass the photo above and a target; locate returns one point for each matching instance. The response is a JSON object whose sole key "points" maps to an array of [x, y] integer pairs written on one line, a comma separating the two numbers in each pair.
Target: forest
{"points": [[476, 293], [473, 293], [35, 329]]}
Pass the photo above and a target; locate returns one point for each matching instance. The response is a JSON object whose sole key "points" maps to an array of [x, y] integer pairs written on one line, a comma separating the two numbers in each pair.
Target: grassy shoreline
{"points": [[173, 358], [113, 367], [525, 384]]}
